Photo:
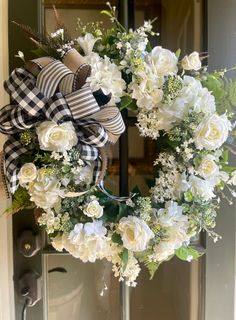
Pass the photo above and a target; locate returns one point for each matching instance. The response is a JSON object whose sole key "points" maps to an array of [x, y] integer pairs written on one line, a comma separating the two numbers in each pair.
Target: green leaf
{"points": [[225, 156], [123, 211], [20, 201], [152, 266], [224, 91], [184, 253], [228, 169], [177, 53], [150, 182], [116, 238], [124, 258], [107, 13], [149, 47], [126, 102], [39, 52], [136, 190]]}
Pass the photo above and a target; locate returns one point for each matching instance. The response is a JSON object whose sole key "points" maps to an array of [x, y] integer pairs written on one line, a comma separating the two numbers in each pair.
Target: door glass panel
{"points": [[174, 291], [75, 290]]}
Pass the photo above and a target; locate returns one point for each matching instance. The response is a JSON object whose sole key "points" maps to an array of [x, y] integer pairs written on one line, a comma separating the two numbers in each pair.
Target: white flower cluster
{"points": [[86, 241], [45, 185], [176, 226], [55, 222], [105, 75], [171, 181]]}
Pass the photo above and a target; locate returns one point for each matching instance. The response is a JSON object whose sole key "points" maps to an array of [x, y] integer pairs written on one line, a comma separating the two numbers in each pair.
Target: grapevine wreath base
{"points": [[65, 111]]}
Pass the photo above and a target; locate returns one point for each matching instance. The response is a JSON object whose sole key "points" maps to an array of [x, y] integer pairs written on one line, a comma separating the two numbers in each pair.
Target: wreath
{"points": [[64, 112]]}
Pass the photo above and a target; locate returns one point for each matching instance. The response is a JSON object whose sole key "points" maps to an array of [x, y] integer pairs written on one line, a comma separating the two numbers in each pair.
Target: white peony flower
{"points": [[93, 209], [212, 132], [208, 169], [105, 75], [135, 233], [201, 188], [87, 43], [54, 137], [162, 61], [27, 174], [191, 62], [45, 191]]}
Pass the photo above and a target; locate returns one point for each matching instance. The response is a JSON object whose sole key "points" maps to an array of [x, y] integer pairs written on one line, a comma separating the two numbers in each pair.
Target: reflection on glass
{"points": [[79, 291], [171, 295], [142, 153]]}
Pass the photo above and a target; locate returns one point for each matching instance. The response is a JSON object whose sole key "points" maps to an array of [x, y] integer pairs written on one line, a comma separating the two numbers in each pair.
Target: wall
{"points": [[6, 262], [220, 258]]}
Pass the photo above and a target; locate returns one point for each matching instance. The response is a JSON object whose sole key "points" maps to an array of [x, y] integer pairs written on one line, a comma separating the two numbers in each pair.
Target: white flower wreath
{"points": [[178, 104]]}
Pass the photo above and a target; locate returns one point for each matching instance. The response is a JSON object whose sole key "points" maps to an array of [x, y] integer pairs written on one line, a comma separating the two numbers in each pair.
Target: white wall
{"points": [[6, 261], [220, 266]]}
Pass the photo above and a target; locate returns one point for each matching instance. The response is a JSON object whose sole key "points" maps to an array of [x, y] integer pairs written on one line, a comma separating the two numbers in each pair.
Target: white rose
{"points": [[27, 174], [233, 178], [208, 168], [191, 62], [93, 209], [212, 132], [163, 61], [54, 137], [87, 43], [135, 233], [201, 188], [45, 192]]}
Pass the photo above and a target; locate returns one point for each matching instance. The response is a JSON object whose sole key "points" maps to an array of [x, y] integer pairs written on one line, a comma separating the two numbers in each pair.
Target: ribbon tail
{"points": [[12, 150], [4, 192]]}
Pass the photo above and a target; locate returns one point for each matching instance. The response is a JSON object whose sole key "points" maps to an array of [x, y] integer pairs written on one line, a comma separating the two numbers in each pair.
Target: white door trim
{"points": [[7, 306]]}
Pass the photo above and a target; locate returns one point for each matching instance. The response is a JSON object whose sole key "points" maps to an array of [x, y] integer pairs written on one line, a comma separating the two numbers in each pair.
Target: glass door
{"points": [[77, 291]]}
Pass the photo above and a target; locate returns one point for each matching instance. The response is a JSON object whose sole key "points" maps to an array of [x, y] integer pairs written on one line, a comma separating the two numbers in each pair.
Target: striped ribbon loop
{"points": [[47, 89]]}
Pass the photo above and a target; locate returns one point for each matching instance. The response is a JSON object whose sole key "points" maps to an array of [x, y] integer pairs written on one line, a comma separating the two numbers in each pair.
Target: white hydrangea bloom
{"points": [[88, 242], [45, 191], [176, 225], [105, 75], [146, 88]]}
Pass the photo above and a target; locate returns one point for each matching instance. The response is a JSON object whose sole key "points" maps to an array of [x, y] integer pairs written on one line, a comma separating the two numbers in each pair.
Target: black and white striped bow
{"points": [[52, 95]]}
